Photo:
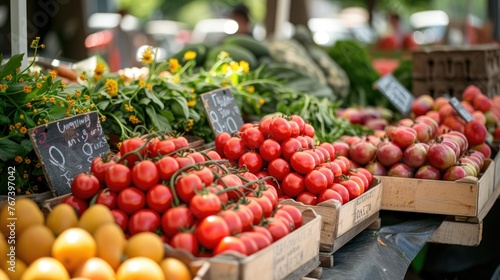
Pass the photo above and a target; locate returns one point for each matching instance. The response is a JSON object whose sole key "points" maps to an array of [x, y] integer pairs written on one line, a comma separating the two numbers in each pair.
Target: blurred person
{"points": [[241, 15]]}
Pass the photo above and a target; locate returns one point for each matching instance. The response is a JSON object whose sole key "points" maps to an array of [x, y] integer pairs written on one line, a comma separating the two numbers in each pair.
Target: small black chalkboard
{"points": [[455, 103], [67, 147], [397, 94], [222, 111]]}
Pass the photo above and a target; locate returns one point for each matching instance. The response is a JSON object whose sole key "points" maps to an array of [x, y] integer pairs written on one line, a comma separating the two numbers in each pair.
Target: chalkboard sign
{"points": [[455, 103], [397, 94], [67, 148], [222, 111]]}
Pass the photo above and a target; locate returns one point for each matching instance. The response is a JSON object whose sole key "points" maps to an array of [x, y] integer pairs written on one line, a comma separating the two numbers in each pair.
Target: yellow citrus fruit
{"points": [[61, 218], [139, 268], [73, 247], [35, 242], [26, 212], [14, 269], [3, 275], [110, 242], [145, 244], [95, 268], [46, 268], [174, 269], [95, 216]]}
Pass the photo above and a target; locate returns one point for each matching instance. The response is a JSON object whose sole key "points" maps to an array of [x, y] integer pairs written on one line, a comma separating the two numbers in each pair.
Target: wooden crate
{"points": [[466, 199], [340, 223], [458, 233], [38, 198], [436, 88]]}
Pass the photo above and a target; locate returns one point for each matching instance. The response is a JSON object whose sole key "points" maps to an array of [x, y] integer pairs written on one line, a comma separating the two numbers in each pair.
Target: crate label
{"points": [[363, 208], [222, 111], [397, 94], [455, 103], [289, 255]]}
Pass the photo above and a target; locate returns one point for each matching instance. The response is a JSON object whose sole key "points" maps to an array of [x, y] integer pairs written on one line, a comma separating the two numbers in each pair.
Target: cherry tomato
{"points": [[246, 126], [330, 194], [232, 181], [277, 228], [118, 177], [252, 161], [230, 243], [280, 129], [232, 220], [315, 182], [347, 163], [144, 220], [302, 162], [264, 231], [215, 189], [342, 165], [187, 186], [295, 213], [331, 150], [310, 142], [285, 218], [121, 218], [324, 152], [289, 147], [340, 189], [99, 166], [300, 122], [213, 155], [271, 193], [167, 166], [352, 187], [162, 148], [270, 149], [107, 198], [234, 148], [176, 218], [335, 168], [260, 239], [303, 142], [204, 205], [252, 137], [220, 141], [293, 184], [180, 142], [159, 198], [308, 130], [328, 174], [129, 145], [251, 177], [130, 200], [206, 175], [197, 157], [245, 214], [262, 174], [210, 231], [184, 161], [145, 175], [361, 175], [278, 168], [295, 129], [78, 204], [265, 204], [317, 159], [85, 185], [264, 126], [368, 176], [249, 242], [307, 198], [258, 212], [359, 181], [185, 241]]}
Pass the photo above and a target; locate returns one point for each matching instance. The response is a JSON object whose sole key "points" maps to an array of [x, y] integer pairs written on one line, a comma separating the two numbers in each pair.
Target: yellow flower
{"points": [[78, 93], [18, 159], [92, 105], [103, 118], [44, 98], [147, 56], [46, 120], [234, 65], [23, 130], [8, 77], [53, 74], [118, 145], [250, 89], [21, 80], [38, 85], [129, 108], [42, 46], [83, 77], [29, 105], [38, 165], [72, 102], [149, 87], [142, 83], [35, 187], [35, 111], [111, 87], [27, 161], [189, 55], [99, 71], [37, 74], [245, 66], [11, 127], [224, 68], [63, 85], [174, 65], [21, 117], [223, 54], [18, 125], [3, 87], [68, 96], [134, 120], [176, 80], [261, 101], [191, 103], [87, 97], [52, 100]]}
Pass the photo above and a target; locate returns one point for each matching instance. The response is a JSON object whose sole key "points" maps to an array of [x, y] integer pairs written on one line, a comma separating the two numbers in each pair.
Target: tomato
{"points": [[310, 142], [203, 205], [167, 166], [315, 182], [302, 162], [277, 228], [317, 159], [262, 174], [186, 241], [215, 189], [107, 198], [232, 181], [211, 230], [278, 168], [232, 220], [213, 155], [300, 122], [251, 177], [352, 187], [308, 130], [294, 128], [330, 149], [145, 175], [246, 126], [261, 240], [359, 181], [245, 214], [328, 174], [265, 204], [99, 166], [220, 142], [85, 185], [356, 172], [342, 166], [264, 231], [205, 174], [252, 137], [249, 242], [184, 161], [197, 157], [342, 190], [330, 194], [234, 148], [335, 168], [270, 149], [303, 142], [78, 204], [258, 212], [324, 152], [144, 220], [289, 147], [293, 184], [121, 218], [368, 176], [180, 142], [271, 194], [118, 177], [187, 185], [285, 218], [162, 148], [176, 218], [264, 126], [130, 200], [307, 198], [252, 161], [159, 198], [230, 243], [295, 213], [320, 154], [280, 129], [347, 163], [130, 145]]}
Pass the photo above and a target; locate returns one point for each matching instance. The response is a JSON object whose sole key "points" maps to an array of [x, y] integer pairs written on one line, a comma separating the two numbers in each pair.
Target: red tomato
{"points": [[252, 161], [264, 231], [252, 137], [280, 129], [295, 213], [232, 220], [310, 142], [317, 159], [130, 200], [258, 212], [262, 174], [303, 142], [203, 205], [278, 168], [308, 130], [347, 163], [302, 162], [230, 243], [340, 189], [145, 175], [130, 145], [187, 186], [85, 185], [359, 181], [246, 126], [176, 218], [245, 214], [232, 181], [121, 218], [159, 198], [295, 129], [249, 242], [107, 198], [271, 194], [342, 166], [220, 142], [78, 204], [265, 204], [361, 175], [331, 150], [289, 147], [285, 218], [307, 198], [197, 157], [264, 127], [352, 187], [180, 142], [234, 148], [260, 239], [162, 148], [184, 161], [335, 168], [144, 220], [293, 184], [324, 152], [328, 174], [315, 182], [167, 166], [210, 231], [277, 228], [215, 189], [213, 155], [368, 176], [98, 167], [250, 177], [206, 175], [118, 177], [330, 194], [270, 149], [300, 121], [185, 241]]}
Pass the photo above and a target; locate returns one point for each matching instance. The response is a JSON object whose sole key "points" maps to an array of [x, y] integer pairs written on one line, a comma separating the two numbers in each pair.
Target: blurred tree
{"points": [[143, 9]]}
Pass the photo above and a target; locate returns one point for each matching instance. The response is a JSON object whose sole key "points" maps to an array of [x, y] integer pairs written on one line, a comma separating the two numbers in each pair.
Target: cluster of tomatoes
{"points": [[196, 201], [283, 147]]}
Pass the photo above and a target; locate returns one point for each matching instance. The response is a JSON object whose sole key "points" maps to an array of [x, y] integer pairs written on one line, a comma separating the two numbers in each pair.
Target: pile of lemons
{"points": [[61, 246]]}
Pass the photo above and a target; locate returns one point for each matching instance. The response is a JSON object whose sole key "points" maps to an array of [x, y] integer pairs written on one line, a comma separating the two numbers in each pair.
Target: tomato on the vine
{"points": [[78, 204], [197, 157], [187, 186], [264, 231], [317, 159], [118, 177], [302, 162], [245, 126], [184, 160], [315, 182], [280, 129], [260, 239], [131, 200], [162, 148], [206, 175], [85, 185], [303, 142], [167, 166], [143, 220], [277, 228], [249, 242], [285, 218], [203, 205], [186, 241], [271, 193], [159, 198], [176, 218], [121, 218], [342, 190], [330, 194], [145, 175], [233, 221], [359, 181], [328, 174], [180, 142], [245, 214], [216, 189], [210, 231], [213, 155], [131, 145], [294, 128], [107, 198], [352, 187], [265, 204], [331, 150], [230, 243], [232, 181]]}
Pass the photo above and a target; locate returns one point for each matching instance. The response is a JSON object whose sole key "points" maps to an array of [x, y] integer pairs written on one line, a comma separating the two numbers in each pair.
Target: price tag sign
{"points": [[455, 103], [222, 111], [67, 148], [397, 94]]}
